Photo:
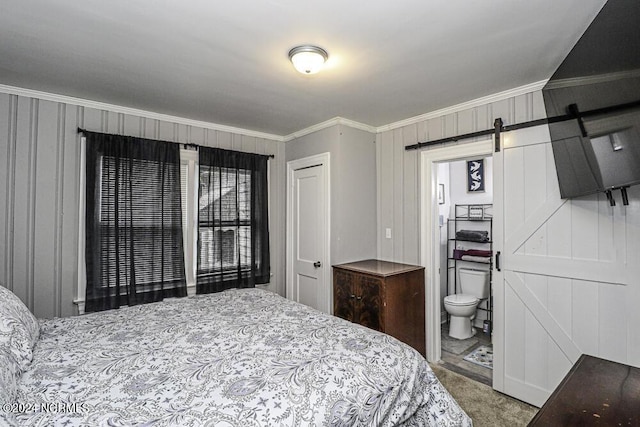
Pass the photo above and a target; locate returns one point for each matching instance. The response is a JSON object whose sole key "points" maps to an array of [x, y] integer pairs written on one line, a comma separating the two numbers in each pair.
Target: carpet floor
{"points": [[485, 406]]}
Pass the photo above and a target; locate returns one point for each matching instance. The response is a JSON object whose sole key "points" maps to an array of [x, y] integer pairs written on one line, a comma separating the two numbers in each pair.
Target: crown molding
{"points": [[12, 90], [589, 80], [532, 87], [500, 96], [327, 124]]}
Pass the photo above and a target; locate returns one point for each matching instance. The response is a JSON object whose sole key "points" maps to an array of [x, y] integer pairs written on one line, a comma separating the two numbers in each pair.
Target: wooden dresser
{"points": [[385, 296], [595, 392]]}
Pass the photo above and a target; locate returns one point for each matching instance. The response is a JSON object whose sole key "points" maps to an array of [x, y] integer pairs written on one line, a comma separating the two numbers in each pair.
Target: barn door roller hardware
{"points": [[499, 126]]}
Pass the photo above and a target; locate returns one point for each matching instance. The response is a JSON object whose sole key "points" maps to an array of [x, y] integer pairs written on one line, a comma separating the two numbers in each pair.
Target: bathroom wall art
{"points": [[475, 176]]}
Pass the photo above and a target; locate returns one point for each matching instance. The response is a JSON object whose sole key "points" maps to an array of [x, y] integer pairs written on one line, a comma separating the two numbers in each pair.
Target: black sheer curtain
{"points": [[134, 250], [233, 223]]}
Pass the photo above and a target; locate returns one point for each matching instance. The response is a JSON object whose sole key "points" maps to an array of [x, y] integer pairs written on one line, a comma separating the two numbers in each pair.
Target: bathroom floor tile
{"points": [[456, 362]]}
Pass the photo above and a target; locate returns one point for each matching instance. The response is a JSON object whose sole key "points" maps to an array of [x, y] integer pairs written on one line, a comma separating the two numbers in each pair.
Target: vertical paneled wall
{"points": [[399, 170], [40, 184]]}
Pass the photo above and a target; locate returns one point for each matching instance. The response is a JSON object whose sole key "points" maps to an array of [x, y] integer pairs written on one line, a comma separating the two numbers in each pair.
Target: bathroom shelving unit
{"points": [[477, 217]]}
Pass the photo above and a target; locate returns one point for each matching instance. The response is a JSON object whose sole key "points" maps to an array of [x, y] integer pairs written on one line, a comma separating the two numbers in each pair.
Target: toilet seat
{"points": [[461, 309], [461, 300]]}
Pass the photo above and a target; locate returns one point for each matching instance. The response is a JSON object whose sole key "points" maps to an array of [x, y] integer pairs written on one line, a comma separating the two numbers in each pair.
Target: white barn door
{"points": [[568, 281]]}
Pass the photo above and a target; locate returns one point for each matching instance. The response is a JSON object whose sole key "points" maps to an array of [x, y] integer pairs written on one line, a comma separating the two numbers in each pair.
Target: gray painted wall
{"points": [[39, 186], [398, 170], [353, 187]]}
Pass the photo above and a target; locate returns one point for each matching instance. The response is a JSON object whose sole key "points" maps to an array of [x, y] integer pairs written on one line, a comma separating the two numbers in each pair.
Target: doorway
{"points": [[430, 243], [465, 230], [308, 210]]}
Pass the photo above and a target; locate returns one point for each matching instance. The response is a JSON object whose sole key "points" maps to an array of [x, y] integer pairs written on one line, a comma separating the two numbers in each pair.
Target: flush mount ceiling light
{"points": [[308, 59]]}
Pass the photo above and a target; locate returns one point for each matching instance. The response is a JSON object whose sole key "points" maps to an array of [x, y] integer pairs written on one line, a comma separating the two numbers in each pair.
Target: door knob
{"points": [[317, 264]]}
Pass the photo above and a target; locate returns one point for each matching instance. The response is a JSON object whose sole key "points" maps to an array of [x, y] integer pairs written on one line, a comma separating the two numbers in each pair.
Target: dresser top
{"points": [[379, 268], [594, 392]]}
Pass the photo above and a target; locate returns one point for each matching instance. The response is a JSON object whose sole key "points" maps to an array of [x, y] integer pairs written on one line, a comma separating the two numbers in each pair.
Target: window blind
{"points": [[233, 232], [134, 250]]}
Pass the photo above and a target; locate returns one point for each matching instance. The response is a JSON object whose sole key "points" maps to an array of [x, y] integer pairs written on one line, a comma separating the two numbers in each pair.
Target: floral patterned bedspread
{"points": [[238, 358]]}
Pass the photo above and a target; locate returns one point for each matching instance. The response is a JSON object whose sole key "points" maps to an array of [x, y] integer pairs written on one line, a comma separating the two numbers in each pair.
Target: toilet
{"points": [[474, 287]]}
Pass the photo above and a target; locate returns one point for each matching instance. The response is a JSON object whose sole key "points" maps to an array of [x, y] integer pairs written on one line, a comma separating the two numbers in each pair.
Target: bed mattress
{"points": [[237, 358]]}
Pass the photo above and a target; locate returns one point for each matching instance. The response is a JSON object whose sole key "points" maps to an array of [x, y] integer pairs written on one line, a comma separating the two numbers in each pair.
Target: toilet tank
{"points": [[474, 282]]}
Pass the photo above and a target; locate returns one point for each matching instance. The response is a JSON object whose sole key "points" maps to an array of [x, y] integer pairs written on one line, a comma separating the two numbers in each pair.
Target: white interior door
{"points": [[308, 279], [566, 278]]}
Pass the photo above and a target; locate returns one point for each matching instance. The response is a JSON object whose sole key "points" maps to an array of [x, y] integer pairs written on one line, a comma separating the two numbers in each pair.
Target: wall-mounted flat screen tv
{"points": [[599, 149]]}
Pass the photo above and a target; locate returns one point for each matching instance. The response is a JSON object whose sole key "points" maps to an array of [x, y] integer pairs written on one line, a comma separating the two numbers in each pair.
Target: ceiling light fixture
{"points": [[308, 59]]}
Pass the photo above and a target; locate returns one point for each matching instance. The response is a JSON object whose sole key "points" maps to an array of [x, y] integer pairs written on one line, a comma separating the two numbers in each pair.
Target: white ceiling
{"points": [[226, 62]]}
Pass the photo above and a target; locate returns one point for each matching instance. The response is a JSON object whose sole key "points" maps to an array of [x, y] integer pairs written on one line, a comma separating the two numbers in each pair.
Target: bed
{"points": [[243, 357]]}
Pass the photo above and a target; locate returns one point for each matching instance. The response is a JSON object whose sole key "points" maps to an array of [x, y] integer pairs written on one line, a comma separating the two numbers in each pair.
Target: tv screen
{"points": [[608, 158], [599, 152]]}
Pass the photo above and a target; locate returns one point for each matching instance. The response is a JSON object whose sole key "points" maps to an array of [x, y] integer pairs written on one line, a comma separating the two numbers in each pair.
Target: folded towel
{"points": [[459, 253], [473, 235], [478, 252], [475, 258]]}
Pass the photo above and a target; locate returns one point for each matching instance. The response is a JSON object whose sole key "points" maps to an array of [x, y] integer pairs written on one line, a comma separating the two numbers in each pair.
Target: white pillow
{"points": [[19, 329]]}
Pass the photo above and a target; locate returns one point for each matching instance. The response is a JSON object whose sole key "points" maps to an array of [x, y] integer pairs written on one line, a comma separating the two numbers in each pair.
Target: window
{"points": [[159, 221], [133, 238], [224, 224], [218, 248], [224, 204], [233, 234], [139, 228]]}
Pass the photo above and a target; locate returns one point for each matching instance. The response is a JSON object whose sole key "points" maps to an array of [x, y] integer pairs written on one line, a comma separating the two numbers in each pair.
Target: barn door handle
{"points": [[317, 264], [498, 261]]}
